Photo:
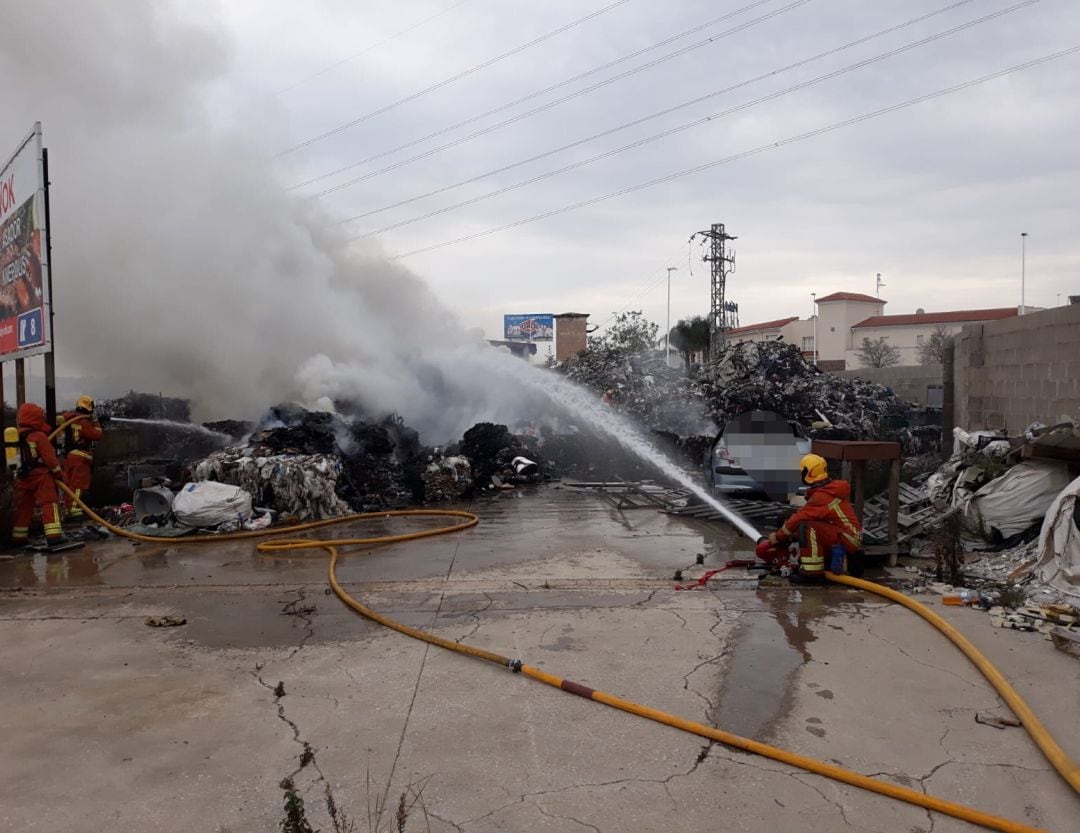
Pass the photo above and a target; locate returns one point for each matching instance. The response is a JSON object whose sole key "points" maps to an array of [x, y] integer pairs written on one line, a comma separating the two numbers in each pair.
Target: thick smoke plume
{"points": [[181, 264]]}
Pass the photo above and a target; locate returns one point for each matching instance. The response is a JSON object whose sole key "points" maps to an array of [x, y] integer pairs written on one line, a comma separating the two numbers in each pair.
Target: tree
{"points": [[878, 353], [690, 336], [630, 332], [932, 350]]}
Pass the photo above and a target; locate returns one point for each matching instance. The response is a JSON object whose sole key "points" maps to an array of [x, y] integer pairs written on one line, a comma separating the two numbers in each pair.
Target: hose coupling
{"points": [[514, 665]]}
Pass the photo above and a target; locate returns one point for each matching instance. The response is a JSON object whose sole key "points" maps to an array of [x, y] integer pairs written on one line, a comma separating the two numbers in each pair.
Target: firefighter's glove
{"points": [[763, 547]]}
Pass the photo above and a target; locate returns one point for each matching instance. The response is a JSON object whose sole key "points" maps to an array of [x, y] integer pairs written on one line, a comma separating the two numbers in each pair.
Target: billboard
{"points": [[24, 286], [539, 327]]}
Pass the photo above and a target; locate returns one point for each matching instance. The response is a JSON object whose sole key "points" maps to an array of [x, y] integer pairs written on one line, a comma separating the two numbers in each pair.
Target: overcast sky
{"points": [[934, 197]]}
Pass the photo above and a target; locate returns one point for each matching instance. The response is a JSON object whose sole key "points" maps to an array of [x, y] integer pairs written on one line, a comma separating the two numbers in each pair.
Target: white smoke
{"points": [[180, 262]]}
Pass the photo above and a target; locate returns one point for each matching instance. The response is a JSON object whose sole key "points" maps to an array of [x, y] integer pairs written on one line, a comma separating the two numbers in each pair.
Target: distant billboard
{"points": [[23, 286], [539, 327]]}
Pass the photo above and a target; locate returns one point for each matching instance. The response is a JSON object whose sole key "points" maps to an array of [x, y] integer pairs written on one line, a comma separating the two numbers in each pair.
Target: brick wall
{"points": [[1008, 374], [907, 381], [569, 336]]}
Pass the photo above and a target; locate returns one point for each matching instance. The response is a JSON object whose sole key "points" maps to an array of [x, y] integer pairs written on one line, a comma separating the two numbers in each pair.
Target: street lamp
{"points": [[667, 332], [1023, 269], [813, 306]]}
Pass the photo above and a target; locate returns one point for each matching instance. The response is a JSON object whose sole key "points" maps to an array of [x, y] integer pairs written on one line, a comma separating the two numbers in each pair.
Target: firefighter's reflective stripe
{"points": [[50, 515], [20, 533], [850, 533], [811, 557], [86, 455], [76, 510]]}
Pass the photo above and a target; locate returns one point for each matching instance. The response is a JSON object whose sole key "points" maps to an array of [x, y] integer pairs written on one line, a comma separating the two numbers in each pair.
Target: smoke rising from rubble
{"points": [[180, 262]]}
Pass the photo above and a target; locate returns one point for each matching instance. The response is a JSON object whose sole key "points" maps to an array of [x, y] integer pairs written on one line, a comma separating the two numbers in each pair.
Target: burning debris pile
{"points": [[316, 464]]}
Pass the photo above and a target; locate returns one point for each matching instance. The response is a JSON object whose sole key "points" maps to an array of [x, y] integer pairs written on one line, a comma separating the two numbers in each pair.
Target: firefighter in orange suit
{"points": [[827, 519], [35, 485], [81, 433]]}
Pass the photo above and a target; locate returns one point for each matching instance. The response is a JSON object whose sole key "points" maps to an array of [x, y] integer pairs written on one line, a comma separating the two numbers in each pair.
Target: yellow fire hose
{"points": [[1053, 752]]}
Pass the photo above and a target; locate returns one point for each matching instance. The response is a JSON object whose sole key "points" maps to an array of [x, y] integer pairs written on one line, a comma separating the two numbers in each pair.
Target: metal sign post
{"points": [[50, 357]]}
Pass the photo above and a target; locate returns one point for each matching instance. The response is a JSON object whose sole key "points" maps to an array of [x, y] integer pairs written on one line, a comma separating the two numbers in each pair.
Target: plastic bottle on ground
{"points": [[964, 597]]}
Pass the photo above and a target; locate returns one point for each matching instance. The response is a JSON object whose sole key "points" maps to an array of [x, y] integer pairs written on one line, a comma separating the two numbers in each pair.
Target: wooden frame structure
{"points": [[853, 456]]}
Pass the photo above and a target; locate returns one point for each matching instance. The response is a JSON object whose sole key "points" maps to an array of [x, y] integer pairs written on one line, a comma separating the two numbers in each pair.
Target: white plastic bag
{"points": [[1020, 497], [210, 503]]}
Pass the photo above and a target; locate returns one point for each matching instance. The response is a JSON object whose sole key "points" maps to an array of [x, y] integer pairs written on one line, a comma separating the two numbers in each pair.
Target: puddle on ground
{"points": [[769, 646]]}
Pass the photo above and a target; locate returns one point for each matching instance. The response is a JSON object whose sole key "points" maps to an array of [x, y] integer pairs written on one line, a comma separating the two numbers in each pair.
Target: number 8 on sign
{"points": [[29, 329]]}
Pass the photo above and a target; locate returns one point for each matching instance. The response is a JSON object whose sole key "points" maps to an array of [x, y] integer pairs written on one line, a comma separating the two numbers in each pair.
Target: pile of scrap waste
{"points": [[297, 465], [769, 375], [1011, 505]]}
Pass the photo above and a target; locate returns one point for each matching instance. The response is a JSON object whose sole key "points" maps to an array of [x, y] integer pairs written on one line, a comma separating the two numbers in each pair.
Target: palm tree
{"points": [[691, 336]]}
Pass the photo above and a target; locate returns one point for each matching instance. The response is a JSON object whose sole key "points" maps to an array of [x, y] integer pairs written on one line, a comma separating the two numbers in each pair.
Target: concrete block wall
{"points": [[1010, 373], [907, 381]]}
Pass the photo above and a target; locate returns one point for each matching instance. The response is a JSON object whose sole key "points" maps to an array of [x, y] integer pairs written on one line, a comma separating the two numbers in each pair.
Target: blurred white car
{"points": [[758, 454]]}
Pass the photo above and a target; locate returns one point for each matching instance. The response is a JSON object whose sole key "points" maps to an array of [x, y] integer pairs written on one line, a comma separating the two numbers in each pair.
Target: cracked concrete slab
{"points": [[111, 724]]}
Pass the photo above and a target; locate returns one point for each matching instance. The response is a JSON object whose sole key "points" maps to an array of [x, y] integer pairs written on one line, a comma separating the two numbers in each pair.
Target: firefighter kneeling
{"points": [[81, 431], [38, 471], [827, 519]]}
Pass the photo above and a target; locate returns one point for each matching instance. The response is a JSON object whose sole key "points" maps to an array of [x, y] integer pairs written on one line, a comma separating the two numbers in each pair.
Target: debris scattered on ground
{"points": [[1066, 641], [165, 621], [447, 478], [996, 721]]}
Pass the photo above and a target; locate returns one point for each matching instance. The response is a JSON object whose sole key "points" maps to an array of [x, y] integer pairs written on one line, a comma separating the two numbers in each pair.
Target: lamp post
{"points": [[667, 332], [813, 306], [1023, 269]]}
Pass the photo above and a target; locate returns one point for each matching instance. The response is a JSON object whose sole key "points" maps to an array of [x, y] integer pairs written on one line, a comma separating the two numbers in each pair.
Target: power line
{"points": [[678, 128], [473, 69], [747, 153], [402, 163], [372, 47], [544, 91]]}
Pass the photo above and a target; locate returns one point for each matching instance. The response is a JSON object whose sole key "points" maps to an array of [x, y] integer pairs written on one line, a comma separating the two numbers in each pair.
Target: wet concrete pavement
{"points": [[111, 724]]}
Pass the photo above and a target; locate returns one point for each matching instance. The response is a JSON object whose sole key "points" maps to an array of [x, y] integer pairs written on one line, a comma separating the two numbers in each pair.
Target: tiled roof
{"points": [[954, 317], [850, 296], [766, 325]]}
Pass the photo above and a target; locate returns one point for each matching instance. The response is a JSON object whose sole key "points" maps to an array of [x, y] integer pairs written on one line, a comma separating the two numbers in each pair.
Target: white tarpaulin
{"points": [[1020, 497], [211, 504], [1059, 543]]}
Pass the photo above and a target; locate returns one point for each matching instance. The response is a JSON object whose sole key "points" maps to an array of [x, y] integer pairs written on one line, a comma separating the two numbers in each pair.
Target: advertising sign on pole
{"points": [[539, 327], [24, 289]]}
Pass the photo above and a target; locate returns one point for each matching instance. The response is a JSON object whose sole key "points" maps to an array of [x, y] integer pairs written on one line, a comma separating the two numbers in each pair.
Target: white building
{"points": [[844, 319], [907, 333]]}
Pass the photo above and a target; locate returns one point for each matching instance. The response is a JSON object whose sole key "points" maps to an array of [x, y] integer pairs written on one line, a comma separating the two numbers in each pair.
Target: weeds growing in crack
{"points": [[410, 801], [295, 819], [338, 817]]}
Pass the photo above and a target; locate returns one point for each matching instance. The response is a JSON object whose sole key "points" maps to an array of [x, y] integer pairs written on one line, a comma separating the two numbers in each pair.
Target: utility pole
{"points": [[813, 304], [880, 284], [667, 332], [723, 262], [1023, 269]]}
